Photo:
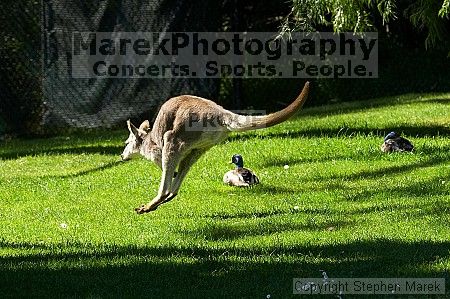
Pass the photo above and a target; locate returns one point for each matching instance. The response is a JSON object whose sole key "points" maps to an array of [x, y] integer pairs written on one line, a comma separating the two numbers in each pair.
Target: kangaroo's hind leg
{"points": [[171, 155], [183, 169]]}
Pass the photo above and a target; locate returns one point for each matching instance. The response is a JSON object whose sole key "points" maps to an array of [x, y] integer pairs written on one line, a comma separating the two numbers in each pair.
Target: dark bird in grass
{"points": [[240, 176], [393, 142]]}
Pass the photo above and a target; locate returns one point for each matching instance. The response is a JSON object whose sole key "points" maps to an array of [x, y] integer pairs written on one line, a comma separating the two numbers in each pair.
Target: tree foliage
{"points": [[368, 15]]}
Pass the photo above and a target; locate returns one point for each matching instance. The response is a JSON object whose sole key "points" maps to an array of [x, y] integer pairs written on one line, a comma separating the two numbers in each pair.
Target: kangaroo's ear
{"points": [[145, 126], [138, 133], [133, 130]]}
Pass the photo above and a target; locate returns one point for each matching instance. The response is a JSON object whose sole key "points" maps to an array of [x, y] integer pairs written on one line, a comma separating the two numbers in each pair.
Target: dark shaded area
{"points": [[402, 70], [73, 143], [231, 231], [76, 150], [89, 171], [213, 274], [254, 214], [21, 104]]}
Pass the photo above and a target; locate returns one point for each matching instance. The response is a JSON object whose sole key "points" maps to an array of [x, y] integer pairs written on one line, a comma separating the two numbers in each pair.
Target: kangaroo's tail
{"points": [[242, 123]]}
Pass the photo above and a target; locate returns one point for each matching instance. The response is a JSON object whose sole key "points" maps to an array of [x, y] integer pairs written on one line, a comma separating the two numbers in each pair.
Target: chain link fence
{"points": [[35, 53], [93, 103], [21, 69]]}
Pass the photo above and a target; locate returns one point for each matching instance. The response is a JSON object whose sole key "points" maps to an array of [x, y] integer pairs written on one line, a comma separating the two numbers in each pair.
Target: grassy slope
{"points": [[67, 225]]}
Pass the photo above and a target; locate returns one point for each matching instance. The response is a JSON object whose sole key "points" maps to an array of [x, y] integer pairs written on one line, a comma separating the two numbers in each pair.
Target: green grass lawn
{"points": [[68, 229]]}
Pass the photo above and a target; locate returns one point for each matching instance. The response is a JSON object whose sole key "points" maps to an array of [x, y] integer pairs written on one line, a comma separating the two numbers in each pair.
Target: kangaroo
{"points": [[184, 129]]}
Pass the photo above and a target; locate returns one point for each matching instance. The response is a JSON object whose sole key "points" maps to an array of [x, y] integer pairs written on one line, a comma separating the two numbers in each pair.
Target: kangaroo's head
{"points": [[134, 142]]}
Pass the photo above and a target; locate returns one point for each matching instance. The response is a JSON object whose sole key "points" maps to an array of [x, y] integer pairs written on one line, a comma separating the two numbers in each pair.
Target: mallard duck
{"points": [[240, 176], [393, 142]]}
